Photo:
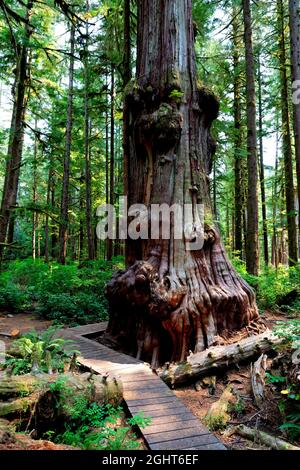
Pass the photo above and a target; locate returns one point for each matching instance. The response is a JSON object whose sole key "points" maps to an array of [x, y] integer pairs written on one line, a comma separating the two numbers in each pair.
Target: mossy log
{"points": [[270, 441], [217, 358], [56, 394]]}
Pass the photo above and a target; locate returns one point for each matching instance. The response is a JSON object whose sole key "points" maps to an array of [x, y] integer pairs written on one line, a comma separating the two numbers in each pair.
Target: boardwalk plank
{"points": [[156, 427], [182, 444], [176, 433], [173, 426]]}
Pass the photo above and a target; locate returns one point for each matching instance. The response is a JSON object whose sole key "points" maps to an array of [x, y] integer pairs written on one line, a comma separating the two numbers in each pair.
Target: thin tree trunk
{"points": [[294, 10], [81, 221], [88, 189], [262, 169], [64, 210], [127, 78], [274, 203], [47, 238], [252, 254], [287, 144], [34, 194], [112, 157], [238, 193], [54, 237], [174, 296], [9, 195]]}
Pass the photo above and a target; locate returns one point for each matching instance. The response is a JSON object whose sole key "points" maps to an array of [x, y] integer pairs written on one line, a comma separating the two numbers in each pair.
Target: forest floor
{"points": [[22, 322], [198, 401]]}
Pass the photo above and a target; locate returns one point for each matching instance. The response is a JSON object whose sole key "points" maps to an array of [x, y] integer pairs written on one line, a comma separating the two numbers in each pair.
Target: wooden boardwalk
{"points": [[173, 426]]}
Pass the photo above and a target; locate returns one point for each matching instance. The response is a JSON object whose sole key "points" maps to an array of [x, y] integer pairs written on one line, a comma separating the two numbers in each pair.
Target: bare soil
{"points": [[23, 322]]}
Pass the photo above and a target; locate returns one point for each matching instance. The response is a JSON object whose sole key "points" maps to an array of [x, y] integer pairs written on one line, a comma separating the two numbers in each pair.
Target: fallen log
{"points": [[270, 441], [217, 358], [56, 394], [258, 375]]}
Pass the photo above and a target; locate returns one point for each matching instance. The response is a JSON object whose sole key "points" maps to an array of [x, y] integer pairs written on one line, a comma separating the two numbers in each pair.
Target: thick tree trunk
{"points": [[287, 144], [238, 186], [14, 156], [172, 298], [262, 169], [64, 210], [294, 10], [252, 254]]}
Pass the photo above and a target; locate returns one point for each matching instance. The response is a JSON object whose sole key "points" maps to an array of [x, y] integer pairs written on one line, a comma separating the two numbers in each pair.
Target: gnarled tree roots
{"points": [[161, 317]]}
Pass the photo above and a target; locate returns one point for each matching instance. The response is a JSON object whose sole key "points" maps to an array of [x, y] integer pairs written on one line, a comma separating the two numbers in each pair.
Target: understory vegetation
{"points": [[71, 294], [90, 419]]}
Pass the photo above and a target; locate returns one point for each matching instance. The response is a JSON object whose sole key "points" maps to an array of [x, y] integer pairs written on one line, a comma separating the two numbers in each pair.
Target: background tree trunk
{"points": [[262, 169], [295, 61], [252, 253], [9, 195], [64, 211], [88, 190], [170, 299], [112, 157], [238, 193], [286, 141]]}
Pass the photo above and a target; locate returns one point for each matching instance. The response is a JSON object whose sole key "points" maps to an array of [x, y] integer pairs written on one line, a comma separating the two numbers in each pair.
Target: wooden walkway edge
{"points": [[173, 426]]}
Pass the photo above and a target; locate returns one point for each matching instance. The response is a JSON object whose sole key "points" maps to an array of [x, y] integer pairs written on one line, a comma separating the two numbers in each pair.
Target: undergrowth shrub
{"points": [[275, 287], [71, 294], [42, 351], [95, 427]]}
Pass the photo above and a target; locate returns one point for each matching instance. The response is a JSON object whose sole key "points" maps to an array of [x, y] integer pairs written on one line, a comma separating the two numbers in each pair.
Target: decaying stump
{"points": [[258, 375], [218, 415], [218, 358]]}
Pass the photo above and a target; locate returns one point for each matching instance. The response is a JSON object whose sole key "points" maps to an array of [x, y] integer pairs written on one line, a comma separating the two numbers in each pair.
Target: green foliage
{"points": [[275, 379], [94, 427], [176, 95], [41, 349], [273, 286], [71, 294]]}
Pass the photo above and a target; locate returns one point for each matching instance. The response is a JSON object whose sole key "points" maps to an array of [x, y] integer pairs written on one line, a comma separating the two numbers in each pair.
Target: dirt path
{"points": [[23, 322]]}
